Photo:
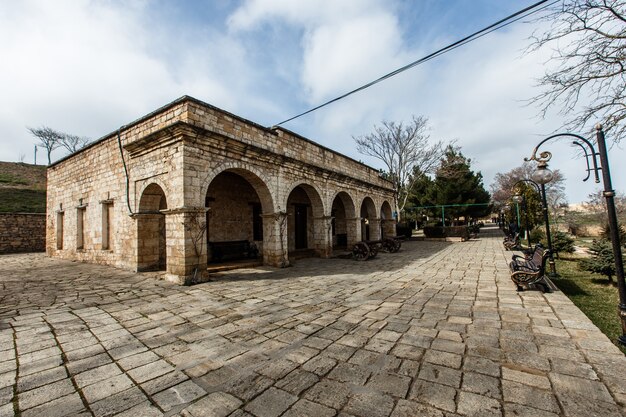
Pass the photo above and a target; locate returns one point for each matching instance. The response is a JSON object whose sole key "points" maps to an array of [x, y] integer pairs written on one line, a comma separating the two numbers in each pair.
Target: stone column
{"points": [[374, 229], [323, 236], [186, 244], [275, 244], [148, 240], [389, 227], [353, 229]]}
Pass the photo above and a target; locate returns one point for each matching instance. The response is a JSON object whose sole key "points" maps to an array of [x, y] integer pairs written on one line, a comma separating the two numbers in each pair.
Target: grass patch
{"points": [[10, 179], [16, 200], [593, 294]]}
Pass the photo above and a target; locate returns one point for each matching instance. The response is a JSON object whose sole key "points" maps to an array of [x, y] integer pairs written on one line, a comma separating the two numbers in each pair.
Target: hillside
{"points": [[22, 188]]}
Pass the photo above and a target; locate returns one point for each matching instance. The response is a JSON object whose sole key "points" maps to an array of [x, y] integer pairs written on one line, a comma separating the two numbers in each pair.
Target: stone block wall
{"points": [[22, 232], [83, 191], [173, 155], [279, 141]]}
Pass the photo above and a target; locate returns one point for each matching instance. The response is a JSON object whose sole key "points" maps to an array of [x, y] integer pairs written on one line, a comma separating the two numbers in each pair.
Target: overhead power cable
{"points": [[527, 11]]}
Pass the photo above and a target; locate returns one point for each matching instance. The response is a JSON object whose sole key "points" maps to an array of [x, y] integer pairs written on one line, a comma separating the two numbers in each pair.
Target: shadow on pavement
{"points": [[411, 252]]}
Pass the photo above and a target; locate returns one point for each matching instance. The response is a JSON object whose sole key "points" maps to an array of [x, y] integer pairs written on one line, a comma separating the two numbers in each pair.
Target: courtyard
{"points": [[434, 330]]}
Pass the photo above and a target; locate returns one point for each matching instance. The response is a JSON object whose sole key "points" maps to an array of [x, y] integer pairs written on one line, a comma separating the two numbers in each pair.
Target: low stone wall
{"points": [[22, 232]]}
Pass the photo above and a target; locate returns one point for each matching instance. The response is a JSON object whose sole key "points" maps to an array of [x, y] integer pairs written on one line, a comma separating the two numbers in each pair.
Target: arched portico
{"points": [[387, 222], [151, 230], [240, 207], [185, 151], [370, 223], [344, 221], [307, 226]]}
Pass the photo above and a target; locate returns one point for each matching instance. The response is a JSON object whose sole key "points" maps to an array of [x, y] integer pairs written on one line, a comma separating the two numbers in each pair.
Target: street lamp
{"points": [[519, 199], [544, 174], [537, 182]]}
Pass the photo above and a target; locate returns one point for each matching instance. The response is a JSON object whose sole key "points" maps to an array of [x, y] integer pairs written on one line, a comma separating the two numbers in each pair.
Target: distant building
{"points": [[160, 194]]}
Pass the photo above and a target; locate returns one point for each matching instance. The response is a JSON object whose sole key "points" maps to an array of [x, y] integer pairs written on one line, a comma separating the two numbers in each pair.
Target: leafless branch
{"points": [[402, 148], [588, 84]]}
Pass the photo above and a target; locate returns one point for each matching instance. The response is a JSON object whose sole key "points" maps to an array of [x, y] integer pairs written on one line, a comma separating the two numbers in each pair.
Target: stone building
{"points": [[152, 194]]}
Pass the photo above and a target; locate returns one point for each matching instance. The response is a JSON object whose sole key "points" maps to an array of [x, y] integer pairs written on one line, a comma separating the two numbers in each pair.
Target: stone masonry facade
{"points": [[151, 195], [22, 232]]}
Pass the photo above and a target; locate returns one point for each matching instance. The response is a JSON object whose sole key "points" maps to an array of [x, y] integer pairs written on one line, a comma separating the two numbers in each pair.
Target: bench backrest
{"points": [[537, 257], [544, 258]]}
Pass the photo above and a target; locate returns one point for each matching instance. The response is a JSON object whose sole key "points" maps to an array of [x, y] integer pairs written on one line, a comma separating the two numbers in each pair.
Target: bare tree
{"points": [[596, 204], [48, 138], [402, 148], [588, 40], [503, 183], [72, 142], [556, 198], [51, 139], [502, 191]]}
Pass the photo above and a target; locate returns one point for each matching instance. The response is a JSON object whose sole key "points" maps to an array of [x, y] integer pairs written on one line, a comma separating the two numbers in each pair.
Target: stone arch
{"points": [[347, 200], [151, 229], [386, 220], [155, 181], [312, 191], [240, 206], [385, 210], [344, 220], [369, 216], [254, 176], [306, 223]]}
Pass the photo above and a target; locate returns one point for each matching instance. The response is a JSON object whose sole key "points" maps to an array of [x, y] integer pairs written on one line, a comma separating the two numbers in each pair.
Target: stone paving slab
{"points": [[434, 330]]}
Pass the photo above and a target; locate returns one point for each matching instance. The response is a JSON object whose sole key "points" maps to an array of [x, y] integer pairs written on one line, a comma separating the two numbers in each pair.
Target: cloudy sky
{"points": [[88, 67]]}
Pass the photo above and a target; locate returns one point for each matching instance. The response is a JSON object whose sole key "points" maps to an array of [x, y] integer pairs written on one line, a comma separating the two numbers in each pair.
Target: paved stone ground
{"points": [[435, 330]]}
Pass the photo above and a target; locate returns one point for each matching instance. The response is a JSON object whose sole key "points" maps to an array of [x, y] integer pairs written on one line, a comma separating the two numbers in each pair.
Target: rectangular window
{"points": [[59, 230], [257, 222], [107, 225], [80, 232]]}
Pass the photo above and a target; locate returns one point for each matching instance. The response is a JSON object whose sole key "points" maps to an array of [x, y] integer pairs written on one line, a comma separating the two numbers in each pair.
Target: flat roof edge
{"points": [[187, 98]]}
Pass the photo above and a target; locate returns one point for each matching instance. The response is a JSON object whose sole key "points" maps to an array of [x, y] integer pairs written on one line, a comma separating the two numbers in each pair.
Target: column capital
{"points": [[276, 216]]}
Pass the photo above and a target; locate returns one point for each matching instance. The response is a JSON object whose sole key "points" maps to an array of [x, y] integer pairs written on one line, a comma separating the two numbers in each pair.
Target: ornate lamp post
{"points": [[519, 199], [539, 186], [544, 174]]}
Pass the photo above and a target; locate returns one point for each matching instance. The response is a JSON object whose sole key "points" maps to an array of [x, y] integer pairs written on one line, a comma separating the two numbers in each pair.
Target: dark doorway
{"points": [[301, 226]]}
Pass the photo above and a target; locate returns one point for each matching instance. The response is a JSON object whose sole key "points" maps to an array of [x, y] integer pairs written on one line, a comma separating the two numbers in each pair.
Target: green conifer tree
{"points": [[602, 260]]}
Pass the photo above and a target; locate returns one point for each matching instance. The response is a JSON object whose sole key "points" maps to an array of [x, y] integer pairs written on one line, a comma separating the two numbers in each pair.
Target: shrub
{"points": [[475, 228], [537, 235], [404, 229], [562, 242], [602, 260], [434, 231], [457, 231]]}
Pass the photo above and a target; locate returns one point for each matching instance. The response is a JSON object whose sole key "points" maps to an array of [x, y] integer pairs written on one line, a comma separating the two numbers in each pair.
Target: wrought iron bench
{"points": [[368, 249], [512, 243], [528, 271], [233, 250]]}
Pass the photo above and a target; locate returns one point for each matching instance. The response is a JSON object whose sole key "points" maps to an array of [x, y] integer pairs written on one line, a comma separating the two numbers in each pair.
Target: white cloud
{"points": [[344, 44], [344, 56], [86, 67], [254, 13]]}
